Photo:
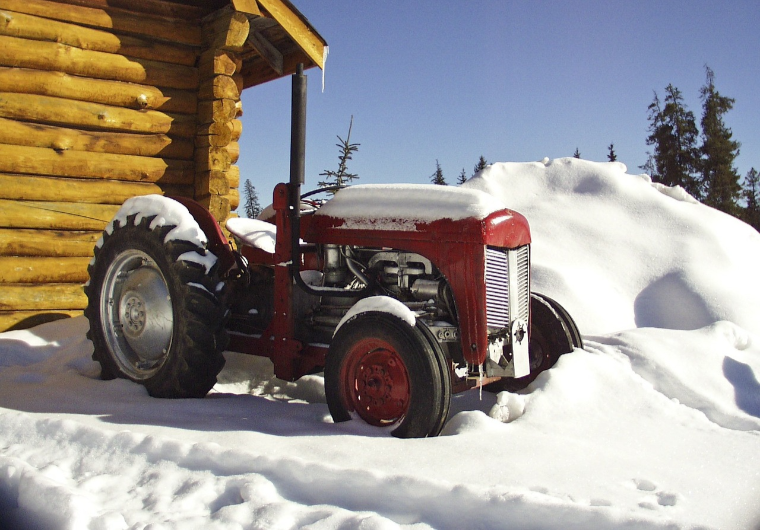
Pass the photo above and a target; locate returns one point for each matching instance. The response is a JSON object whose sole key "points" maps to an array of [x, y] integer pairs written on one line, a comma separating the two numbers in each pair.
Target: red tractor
{"points": [[402, 295]]}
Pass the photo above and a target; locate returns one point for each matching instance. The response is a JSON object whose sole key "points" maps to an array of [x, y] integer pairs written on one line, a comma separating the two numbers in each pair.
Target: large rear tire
{"points": [[552, 333], [155, 318], [388, 373]]}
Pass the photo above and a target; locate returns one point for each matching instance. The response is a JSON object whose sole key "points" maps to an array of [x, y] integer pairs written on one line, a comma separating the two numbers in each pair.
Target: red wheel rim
{"points": [[375, 382]]}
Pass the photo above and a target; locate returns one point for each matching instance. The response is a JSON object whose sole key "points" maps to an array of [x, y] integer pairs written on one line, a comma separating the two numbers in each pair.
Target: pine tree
{"points": [[577, 154], [251, 200], [611, 156], [437, 177], [721, 180], [462, 177], [480, 166], [752, 198], [341, 177], [673, 133]]}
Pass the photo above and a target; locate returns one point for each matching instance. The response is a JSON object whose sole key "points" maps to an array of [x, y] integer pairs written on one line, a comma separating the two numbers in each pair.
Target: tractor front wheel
{"points": [[388, 373]]}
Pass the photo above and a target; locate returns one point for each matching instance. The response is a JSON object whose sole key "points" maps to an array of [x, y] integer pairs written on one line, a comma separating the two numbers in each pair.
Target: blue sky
{"points": [[509, 80]]}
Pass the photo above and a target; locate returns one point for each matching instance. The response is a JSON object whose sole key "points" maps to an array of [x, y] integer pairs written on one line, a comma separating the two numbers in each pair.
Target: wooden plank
{"points": [[35, 188], [61, 138], [118, 20], [217, 88], [57, 216], [226, 29], [88, 165], [37, 28], [267, 51], [40, 270], [43, 55], [29, 319], [64, 112], [153, 7], [220, 111], [16, 297], [33, 242], [298, 28], [212, 159], [118, 93]]}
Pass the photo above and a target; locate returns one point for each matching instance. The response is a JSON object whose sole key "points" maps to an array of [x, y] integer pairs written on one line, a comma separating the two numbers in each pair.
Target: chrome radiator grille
{"points": [[507, 285]]}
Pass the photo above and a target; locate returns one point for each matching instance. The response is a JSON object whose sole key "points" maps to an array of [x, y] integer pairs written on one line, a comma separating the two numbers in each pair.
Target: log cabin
{"points": [[102, 100]]}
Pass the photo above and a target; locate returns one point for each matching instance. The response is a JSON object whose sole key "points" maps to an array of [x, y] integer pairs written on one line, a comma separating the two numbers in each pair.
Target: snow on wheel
{"points": [[155, 314], [388, 373], [552, 333]]}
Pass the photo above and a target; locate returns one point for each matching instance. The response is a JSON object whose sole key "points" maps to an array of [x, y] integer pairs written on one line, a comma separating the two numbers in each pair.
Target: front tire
{"points": [[155, 318], [388, 373]]}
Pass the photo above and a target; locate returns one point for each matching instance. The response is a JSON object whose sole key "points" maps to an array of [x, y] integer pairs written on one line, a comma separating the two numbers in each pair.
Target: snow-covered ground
{"points": [[656, 424]]}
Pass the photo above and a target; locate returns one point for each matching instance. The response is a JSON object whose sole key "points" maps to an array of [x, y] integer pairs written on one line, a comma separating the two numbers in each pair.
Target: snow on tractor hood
{"points": [[446, 213]]}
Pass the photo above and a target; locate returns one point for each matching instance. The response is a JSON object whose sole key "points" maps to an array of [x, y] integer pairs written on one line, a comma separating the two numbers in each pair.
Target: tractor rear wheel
{"points": [[388, 373], [155, 315]]}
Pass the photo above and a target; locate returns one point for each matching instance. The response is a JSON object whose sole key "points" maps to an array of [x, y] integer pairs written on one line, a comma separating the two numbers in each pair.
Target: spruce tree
{"points": [[437, 177], [341, 176], [752, 198], [251, 200], [481, 165], [611, 156], [673, 133], [462, 177], [577, 154], [720, 178]]}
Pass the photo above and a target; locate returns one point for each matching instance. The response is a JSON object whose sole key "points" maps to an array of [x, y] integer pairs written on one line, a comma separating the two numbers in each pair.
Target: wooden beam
{"points": [[43, 55], [220, 111], [63, 112], [162, 28], [35, 188], [225, 29], [16, 297], [267, 51], [219, 87], [298, 28], [42, 29], [40, 270], [218, 62], [88, 165], [33, 242], [56, 216], [28, 319], [154, 7], [219, 206], [61, 138], [249, 7], [118, 93]]}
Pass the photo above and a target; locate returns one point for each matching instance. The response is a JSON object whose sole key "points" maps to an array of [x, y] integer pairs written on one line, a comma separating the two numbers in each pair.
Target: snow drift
{"points": [[656, 424]]}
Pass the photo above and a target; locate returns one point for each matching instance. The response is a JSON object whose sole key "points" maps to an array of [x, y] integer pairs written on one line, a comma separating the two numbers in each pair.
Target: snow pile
{"points": [[656, 424]]}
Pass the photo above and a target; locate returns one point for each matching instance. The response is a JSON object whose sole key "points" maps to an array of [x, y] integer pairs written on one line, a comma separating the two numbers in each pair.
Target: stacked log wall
{"points": [[99, 104]]}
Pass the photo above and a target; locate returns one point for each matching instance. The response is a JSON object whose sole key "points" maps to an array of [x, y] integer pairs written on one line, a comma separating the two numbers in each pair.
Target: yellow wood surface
{"points": [[118, 93], [55, 215], [42, 29], [34, 242], [176, 30], [44, 55], [62, 138], [68, 113], [86, 165], [42, 297], [307, 39], [34, 188], [39, 270]]}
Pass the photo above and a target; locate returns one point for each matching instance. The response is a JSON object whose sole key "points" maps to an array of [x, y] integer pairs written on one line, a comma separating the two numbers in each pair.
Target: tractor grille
{"points": [[507, 285]]}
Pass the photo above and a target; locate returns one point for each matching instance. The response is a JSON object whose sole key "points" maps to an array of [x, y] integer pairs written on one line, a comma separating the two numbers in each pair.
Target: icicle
{"points": [[480, 381], [325, 51]]}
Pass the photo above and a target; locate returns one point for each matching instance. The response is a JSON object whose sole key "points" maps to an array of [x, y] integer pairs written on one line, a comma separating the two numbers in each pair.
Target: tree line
{"points": [[701, 162]]}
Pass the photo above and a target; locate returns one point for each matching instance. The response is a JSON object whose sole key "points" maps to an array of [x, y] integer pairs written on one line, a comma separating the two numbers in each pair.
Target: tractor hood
{"points": [[416, 212]]}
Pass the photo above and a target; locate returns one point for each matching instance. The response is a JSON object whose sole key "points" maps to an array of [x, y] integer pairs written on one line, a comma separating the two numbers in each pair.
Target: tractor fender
{"points": [[379, 303], [217, 241]]}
